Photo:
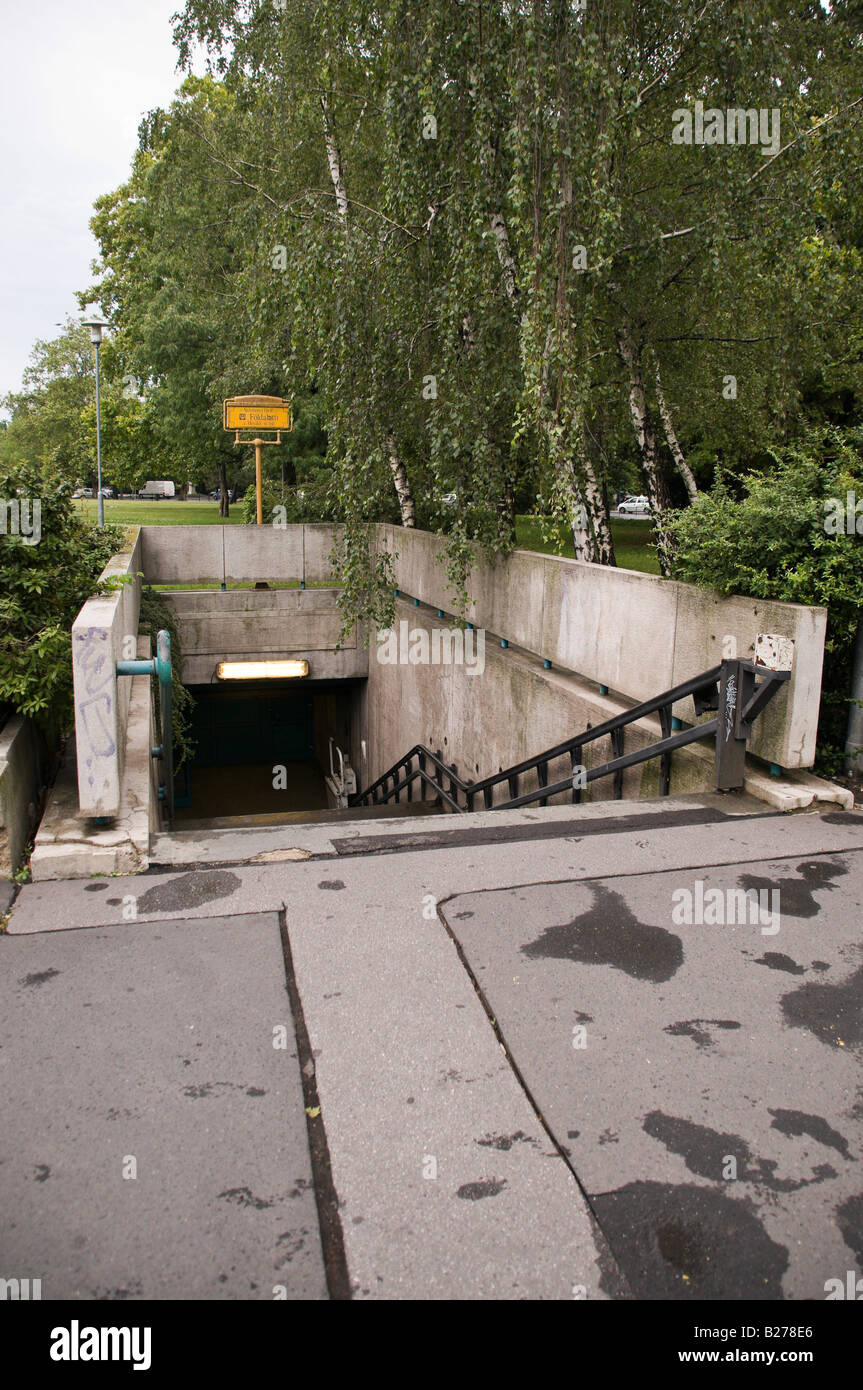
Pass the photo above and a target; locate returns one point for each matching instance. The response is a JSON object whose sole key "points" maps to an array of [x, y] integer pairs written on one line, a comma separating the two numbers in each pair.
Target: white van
{"points": [[155, 490]]}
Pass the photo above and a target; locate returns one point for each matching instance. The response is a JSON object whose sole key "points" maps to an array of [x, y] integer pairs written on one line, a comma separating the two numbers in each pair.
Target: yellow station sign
{"points": [[257, 413]]}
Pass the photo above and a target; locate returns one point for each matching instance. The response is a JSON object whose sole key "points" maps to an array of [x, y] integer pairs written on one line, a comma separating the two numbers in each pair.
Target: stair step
{"points": [[398, 811]]}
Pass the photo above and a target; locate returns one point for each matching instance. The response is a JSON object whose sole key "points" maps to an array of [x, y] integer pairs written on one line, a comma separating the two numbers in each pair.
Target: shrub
{"points": [[42, 588], [775, 541]]}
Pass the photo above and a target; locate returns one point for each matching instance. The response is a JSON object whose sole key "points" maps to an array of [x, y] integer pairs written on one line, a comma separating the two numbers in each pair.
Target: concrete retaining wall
{"points": [[24, 761], [237, 624], [101, 697], [203, 554], [635, 633]]}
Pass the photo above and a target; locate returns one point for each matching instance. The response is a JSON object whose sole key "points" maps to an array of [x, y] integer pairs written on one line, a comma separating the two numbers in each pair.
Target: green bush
{"points": [[42, 588], [777, 541]]}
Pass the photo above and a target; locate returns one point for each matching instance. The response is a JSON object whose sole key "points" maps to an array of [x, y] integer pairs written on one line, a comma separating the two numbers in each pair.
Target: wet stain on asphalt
{"points": [[189, 890], [41, 1172], [610, 934], [696, 1028], [95, 887], [833, 1013], [40, 978], [797, 895], [243, 1197], [849, 1219], [474, 1191], [334, 884], [504, 1142], [676, 1241], [775, 960], [706, 1153], [796, 1123]]}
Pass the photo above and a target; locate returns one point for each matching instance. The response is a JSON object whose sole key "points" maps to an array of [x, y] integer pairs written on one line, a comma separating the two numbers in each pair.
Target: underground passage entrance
{"points": [[261, 750]]}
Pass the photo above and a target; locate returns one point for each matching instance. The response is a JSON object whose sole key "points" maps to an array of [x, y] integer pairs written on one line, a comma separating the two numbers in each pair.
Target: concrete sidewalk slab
{"points": [[447, 1183], [154, 1045], [704, 1080]]}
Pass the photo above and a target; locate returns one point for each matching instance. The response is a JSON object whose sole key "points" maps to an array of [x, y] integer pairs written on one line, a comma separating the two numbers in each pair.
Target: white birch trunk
{"points": [[645, 436], [670, 434], [402, 483]]}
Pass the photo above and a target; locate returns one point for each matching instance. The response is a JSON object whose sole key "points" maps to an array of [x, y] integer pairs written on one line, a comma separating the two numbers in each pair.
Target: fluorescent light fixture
{"points": [[261, 670]]}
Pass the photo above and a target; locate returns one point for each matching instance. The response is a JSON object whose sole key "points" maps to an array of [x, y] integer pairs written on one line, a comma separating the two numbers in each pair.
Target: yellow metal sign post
{"points": [[257, 413]]}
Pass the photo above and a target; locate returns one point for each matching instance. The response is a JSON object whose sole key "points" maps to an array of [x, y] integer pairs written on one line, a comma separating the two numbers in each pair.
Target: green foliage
{"points": [[42, 588], [53, 418], [766, 536], [155, 616]]}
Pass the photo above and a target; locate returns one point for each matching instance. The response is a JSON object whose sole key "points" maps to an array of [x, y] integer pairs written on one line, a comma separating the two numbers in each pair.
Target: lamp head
{"points": [[96, 326]]}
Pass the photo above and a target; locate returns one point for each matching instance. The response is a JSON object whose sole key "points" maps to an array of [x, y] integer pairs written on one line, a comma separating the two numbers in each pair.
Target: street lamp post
{"points": [[95, 326]]}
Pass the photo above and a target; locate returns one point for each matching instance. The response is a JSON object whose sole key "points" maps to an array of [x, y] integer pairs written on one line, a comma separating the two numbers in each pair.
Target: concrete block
{"points": [[22, 755]]}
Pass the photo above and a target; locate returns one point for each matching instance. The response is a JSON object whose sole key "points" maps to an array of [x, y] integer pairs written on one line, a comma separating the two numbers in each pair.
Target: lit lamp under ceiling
{"points": [[261, 670]]}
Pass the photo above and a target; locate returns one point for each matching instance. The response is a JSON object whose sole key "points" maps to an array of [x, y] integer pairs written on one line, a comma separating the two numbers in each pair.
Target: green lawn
{"points": [[633, 546], [133, 513]]}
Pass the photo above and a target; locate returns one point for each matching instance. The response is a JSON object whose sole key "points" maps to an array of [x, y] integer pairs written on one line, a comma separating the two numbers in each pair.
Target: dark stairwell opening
{"points": [[262, 752]]}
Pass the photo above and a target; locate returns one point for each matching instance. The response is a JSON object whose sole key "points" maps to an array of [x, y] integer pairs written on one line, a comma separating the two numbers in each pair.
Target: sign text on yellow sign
{"points": [[257, 417]]}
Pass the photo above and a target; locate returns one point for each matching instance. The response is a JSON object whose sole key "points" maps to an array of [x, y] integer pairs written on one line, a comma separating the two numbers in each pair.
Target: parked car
{"points": [[77, 494], [634, 506], [107, 492], [87, 492]]}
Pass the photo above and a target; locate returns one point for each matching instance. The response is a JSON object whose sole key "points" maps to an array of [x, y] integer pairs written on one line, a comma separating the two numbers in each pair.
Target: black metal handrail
{"points": [[730, 688]]}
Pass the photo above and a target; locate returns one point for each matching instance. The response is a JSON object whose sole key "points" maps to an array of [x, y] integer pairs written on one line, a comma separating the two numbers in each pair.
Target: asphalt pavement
{"points": [[514, 1067]]}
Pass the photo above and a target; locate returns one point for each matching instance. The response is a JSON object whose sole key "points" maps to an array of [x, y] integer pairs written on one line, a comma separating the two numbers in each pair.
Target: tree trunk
{"points": [[335, 162], [402, 484], [224, 503], [505, 256], [337, 175], [670, 434], [645, 436]]}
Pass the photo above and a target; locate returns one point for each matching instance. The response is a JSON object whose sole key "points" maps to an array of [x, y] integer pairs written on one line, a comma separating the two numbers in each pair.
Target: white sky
{"points": [[76, 80]]}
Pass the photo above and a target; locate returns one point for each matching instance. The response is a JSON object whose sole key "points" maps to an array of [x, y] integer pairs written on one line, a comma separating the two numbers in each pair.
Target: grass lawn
{"points": [[119, 512], [633, 544]]}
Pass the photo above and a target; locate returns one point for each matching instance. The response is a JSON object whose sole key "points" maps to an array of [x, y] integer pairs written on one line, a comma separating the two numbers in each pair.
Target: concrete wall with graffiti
{"points": [[105, 632]]}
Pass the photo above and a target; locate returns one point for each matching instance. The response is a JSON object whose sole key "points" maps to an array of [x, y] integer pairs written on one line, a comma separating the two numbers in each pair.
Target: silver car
{"points": [[634, 506]]}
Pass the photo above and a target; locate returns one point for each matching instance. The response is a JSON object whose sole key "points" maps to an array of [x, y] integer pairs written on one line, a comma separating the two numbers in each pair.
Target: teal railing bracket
{"points": [[160, 667]]}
